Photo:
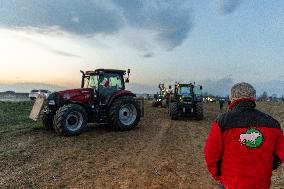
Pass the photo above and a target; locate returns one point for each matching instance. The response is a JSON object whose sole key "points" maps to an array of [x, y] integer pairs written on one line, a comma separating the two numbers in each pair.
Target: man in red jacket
{"points": [[244, 144]]}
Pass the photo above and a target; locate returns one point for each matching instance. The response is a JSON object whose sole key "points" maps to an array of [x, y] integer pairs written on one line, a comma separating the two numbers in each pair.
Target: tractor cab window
{"points": [[93, 82], [111, 81], [197, 90], [115, 83], [184, 90]]}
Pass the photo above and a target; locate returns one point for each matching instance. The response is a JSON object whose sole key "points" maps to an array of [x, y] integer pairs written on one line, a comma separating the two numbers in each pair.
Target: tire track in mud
{"points": [[184, 163], [145, 161], [171, 158]]}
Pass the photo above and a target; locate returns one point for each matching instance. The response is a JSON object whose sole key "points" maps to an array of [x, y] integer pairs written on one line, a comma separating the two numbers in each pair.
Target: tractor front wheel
{"points": [[124, 113], [174, 110], [70, 120], [199, 111]]}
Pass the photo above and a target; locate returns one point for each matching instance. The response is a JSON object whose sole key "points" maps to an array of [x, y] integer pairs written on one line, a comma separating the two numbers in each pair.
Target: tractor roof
{"points": [[97, 71], [185, 84]]}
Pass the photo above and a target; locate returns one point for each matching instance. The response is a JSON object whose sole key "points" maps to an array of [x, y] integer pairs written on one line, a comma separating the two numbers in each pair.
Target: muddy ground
{"points": [[160, 153]]}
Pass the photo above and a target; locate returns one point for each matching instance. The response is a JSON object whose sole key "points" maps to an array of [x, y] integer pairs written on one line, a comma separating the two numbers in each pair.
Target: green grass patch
{"points": [[15, 113]]}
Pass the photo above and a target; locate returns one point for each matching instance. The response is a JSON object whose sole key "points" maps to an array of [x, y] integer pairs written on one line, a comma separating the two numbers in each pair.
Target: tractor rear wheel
{"points": [[174, 110], [199, 111], [47, 121], [124, 113], [70, 120]]}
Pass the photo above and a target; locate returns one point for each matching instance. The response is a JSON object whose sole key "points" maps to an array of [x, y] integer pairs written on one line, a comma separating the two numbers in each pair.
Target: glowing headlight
{"points": [[51, 102]]}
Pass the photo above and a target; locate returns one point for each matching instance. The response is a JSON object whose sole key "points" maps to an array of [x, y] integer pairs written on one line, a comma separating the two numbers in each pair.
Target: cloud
{"points": [[148, 55], [227, 6], [80, 17], [170, 20], [62, 53], [281, 76], [218, 87], [48, 48]]}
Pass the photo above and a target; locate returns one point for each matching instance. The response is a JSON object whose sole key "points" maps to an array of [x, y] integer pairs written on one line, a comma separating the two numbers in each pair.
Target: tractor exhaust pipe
{"points": [[83, 79]]}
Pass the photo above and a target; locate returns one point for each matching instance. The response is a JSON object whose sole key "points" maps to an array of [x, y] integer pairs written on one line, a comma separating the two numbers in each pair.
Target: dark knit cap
{"points": [[242, 90]]}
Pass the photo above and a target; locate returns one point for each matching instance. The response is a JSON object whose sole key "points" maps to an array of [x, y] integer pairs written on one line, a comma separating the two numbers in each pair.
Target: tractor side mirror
{"points": [[201, 87], [155, 96], [127, 80]]}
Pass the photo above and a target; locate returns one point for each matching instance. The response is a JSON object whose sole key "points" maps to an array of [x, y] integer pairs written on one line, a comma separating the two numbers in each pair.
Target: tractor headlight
{"points": [[51, 102], [159, 99]]}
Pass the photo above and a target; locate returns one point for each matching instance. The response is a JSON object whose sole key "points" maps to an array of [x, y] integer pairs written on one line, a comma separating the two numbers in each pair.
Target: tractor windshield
{"points": [[185, 90], [93, 82], [111, 81], [90, 82]]}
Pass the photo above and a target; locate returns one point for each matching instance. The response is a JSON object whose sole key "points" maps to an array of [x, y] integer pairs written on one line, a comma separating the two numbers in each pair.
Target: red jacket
{"points": [[244, 146]]}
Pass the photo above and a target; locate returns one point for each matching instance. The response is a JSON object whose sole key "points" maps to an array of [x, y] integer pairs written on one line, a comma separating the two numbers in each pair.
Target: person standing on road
{"points": [[221, 103], [244, 144]]}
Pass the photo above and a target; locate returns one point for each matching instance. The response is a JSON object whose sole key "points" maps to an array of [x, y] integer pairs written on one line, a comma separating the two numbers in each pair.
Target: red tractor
{"points": [[102, 98]]}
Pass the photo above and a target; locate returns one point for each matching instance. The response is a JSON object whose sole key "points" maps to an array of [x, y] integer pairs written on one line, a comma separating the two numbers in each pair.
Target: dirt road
{"points": [[160, 153]]}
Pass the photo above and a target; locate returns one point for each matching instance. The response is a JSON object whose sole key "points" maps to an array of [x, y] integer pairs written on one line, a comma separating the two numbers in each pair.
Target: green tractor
{"points": [[186, 101]]}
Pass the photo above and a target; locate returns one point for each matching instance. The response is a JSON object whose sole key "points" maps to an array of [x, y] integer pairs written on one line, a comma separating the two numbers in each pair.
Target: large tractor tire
{"points": [[124, 113], [174, 110], [47, 121], [198, 111], [70, 120]]}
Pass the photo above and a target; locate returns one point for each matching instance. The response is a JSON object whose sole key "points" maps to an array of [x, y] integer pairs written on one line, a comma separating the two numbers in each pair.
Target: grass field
{"points": [[159, 153]]}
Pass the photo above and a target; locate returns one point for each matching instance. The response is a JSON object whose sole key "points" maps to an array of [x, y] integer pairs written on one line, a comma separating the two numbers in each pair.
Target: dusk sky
{"points": [[213, 42]]}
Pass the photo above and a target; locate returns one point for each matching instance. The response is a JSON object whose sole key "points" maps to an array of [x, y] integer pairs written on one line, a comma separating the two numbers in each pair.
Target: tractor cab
{"points": [[184, 91], [188, 92], [105, 83]]}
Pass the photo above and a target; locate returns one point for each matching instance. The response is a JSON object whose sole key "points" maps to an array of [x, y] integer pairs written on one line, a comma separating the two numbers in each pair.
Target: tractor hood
{"points": [[186, 98], [82, 95]]}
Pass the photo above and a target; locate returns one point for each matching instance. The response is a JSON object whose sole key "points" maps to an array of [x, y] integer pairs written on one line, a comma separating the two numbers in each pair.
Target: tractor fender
{"points": [[87, 108], [120, 94]]}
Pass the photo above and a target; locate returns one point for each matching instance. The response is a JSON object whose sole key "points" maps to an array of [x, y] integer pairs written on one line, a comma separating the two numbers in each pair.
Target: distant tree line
{"points": [[263, 97], [274, 97]]}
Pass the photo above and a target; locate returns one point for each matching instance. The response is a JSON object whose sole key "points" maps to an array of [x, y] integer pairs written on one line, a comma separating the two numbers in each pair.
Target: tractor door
{"points": [[94, 84], [108, 85], [197, 91]]}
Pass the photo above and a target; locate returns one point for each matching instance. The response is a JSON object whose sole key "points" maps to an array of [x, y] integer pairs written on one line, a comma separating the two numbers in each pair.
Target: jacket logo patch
{"points": [[252, 138]]}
